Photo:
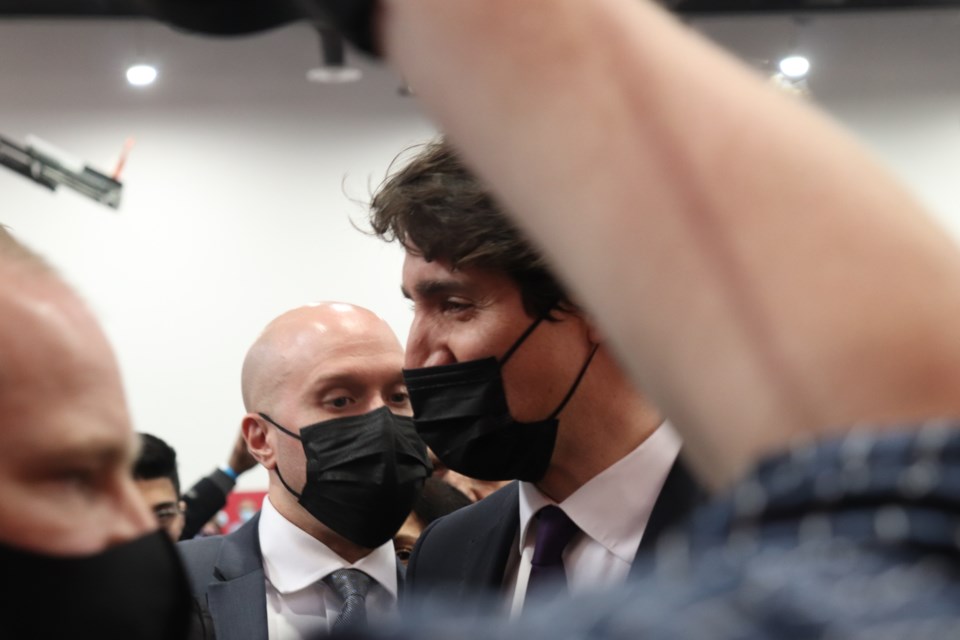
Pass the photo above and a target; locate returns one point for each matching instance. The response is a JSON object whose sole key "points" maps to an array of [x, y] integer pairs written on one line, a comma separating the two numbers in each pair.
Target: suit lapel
{"points": [[678, 497], [238, 599], [490, 546], [401, 579]]}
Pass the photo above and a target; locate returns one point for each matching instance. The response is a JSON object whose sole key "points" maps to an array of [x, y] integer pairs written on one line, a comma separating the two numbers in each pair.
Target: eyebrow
{"points": [[348, 379], [432, 288], [103, 452]]}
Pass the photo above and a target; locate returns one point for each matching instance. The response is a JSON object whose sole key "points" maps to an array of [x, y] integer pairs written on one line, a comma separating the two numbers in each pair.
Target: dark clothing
{"points": [[464, 555], [853, 538], [228, 584], [227, 581], [203, 500]]}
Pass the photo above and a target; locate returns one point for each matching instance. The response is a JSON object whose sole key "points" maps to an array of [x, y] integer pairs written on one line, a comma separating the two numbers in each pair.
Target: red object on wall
{"points": [[240, 507]]}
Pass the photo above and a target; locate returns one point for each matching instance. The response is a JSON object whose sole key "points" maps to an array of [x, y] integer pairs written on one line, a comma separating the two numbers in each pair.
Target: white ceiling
{"points": [[855, 56]]}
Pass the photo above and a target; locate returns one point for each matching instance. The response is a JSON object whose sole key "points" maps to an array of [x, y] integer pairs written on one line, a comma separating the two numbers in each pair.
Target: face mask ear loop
{"points": [[286, 431], [519, 341], [284, 483], [292, 435], [576, 383]]}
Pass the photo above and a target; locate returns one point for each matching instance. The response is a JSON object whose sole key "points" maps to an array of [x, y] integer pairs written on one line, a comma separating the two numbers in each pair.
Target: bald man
{"points": [[76, 538], [329, 418]]}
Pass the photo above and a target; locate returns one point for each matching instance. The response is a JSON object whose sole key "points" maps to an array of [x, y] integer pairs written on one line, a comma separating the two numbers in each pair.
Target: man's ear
{"points": [[577, 311], [260, 445], [593, 331], [594, 335]]}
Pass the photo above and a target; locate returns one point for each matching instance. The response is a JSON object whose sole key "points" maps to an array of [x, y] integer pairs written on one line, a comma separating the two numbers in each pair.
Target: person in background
{"points": [[159, 481], [437, 499], [155, 473], [80, 551], [328, 416]]}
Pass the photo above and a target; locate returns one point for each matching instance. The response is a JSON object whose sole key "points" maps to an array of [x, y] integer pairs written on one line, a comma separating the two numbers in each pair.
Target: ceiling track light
{"points": [[333, 68]]}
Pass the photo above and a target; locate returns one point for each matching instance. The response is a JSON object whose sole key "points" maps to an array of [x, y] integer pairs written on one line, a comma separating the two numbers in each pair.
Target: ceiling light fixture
{"points": [[141, 75], [795, 67], [333, 68]]}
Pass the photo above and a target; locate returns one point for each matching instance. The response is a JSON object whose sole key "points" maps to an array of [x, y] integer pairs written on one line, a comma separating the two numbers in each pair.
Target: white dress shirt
{"points": [[611, 510], [299, 605]]}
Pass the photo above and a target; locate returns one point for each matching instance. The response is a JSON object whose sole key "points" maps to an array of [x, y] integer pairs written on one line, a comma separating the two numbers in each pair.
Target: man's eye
{"points": [[82, 481], [403, 554], [455, 306], [400, 397], [341, 402]]}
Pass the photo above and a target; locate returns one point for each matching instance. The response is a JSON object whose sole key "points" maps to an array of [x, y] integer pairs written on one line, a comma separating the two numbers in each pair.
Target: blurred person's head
{"points": [[436, 500], [509, 378], [73, 528], [329, 418], [155, 472]]}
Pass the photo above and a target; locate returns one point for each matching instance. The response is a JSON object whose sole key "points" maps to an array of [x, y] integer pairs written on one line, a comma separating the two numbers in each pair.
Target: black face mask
{"points": [[132, 591], [460, 410], [363, 473]]}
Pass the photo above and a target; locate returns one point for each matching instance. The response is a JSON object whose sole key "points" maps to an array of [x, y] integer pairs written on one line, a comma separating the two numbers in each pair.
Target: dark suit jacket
{"points": [[227, 581], [463, 556]]}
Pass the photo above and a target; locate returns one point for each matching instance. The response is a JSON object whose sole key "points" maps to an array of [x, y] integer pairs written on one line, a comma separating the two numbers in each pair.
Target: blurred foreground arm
{"points": [[761, 276]]}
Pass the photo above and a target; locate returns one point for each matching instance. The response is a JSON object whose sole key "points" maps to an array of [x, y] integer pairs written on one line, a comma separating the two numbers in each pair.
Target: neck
{"points": [[287, 506], [594, 435]]}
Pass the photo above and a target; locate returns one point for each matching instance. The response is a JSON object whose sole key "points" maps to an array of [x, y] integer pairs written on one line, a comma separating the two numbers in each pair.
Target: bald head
{"points": [[65, 482], [43, 323], [15, 256], [299, 345]]}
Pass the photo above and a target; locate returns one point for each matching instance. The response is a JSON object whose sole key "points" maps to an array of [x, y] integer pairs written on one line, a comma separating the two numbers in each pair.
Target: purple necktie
{"points": [[554, 532]]}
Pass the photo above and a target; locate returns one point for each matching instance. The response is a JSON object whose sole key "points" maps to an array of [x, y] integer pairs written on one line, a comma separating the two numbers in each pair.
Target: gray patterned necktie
{"points": [[352, 586]]}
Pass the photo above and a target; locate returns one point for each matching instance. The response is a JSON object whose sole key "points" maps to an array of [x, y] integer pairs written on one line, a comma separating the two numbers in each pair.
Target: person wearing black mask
{"points": [[509, 379], [329, 417], [82, 556]]}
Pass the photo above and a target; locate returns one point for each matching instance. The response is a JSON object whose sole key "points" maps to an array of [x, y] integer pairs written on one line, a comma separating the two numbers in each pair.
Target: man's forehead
{"points": [[324, 359], [157, 489], [358, 360], [437, 277], [308, 341]]}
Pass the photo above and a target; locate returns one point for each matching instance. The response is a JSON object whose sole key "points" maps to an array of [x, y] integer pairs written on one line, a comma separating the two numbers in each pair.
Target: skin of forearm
{"points": [[762, 278]]}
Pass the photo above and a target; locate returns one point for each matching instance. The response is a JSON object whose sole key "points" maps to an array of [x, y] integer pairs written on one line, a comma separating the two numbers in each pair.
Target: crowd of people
{"points": [[651, 389]]}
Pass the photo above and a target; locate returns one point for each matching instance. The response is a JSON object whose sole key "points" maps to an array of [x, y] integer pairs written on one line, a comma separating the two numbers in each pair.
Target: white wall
{"points": [[234, 203], [891, 78], [235, 207]]}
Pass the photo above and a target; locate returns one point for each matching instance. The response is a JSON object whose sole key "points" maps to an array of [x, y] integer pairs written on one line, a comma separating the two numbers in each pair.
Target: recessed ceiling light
{"points": [[141, 75], [334, 74], [795, 67]]}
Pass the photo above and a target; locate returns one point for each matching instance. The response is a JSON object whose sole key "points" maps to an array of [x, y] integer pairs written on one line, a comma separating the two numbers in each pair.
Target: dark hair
{"points": [[438, 499], [437, 208], [157, 459]]}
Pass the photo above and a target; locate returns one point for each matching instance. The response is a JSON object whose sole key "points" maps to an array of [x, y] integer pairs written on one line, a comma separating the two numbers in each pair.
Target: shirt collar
{"points": [[293, 559], [613, 507]]}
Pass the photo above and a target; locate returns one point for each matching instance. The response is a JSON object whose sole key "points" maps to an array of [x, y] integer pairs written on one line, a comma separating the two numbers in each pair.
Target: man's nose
{"points": [[425, 347]]}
